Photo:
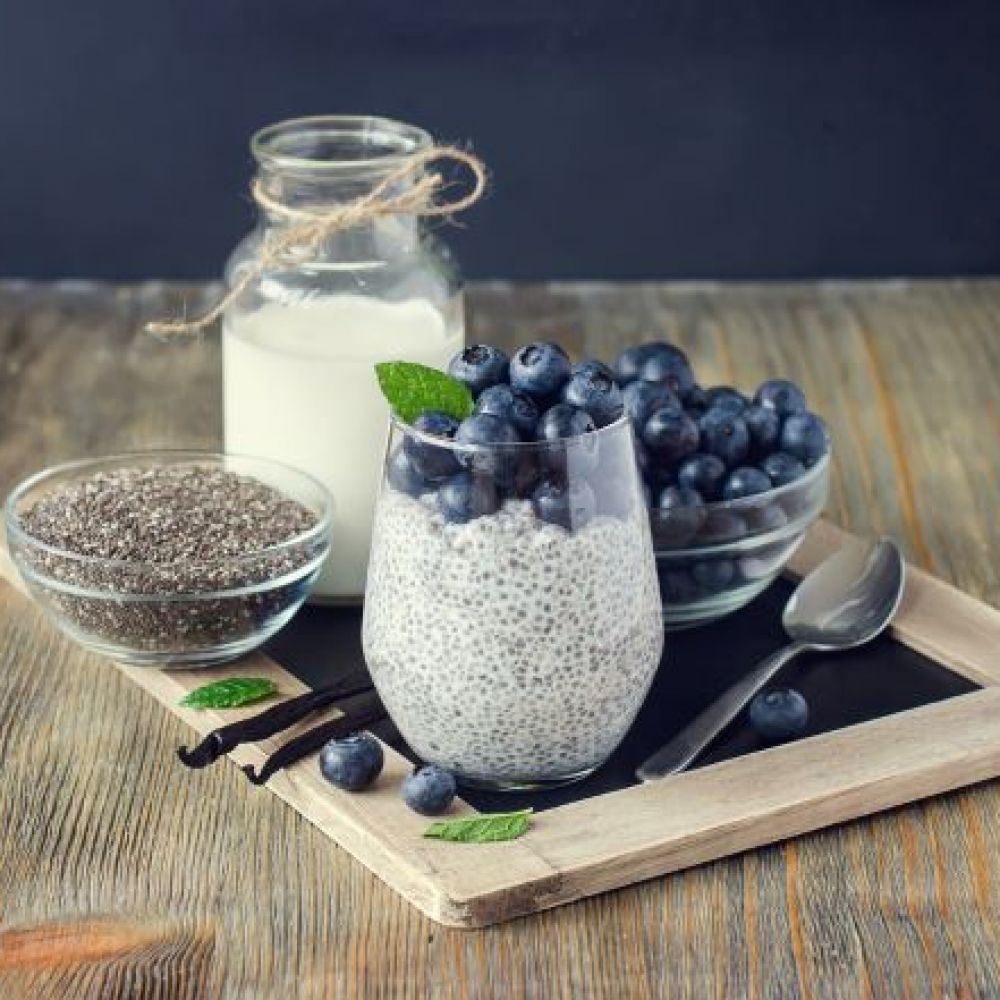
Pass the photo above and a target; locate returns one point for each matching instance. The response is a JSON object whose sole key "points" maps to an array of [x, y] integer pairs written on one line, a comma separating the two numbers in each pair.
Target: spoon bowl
{"points": [[849, 598]]}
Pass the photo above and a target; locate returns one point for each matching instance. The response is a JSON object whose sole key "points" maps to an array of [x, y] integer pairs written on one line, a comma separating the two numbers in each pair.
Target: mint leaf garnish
{"points": [[481, 829], [412, 388], [230, 693]]}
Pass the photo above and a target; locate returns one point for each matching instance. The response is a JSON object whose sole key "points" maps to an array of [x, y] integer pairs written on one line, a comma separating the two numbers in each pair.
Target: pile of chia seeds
{"points": [[169, 532]]}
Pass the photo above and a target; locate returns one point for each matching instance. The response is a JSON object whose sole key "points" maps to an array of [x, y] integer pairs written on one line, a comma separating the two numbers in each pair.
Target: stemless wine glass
{"points": [[512, 616]]}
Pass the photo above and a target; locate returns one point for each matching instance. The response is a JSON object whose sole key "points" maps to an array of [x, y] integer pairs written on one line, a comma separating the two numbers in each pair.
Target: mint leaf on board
{"points": [[411, 388], [483, 829], [230, 693]]}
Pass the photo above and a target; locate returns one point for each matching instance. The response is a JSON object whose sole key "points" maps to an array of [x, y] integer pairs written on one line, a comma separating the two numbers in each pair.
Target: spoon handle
{"points": [[694, 737]]}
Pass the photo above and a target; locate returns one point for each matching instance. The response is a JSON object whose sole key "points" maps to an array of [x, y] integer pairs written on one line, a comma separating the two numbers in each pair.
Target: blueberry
{"points": [[527, 474], [433, 462], [563, 421], [512, 405], [594, 365], [725, 436], [779, 714], [782, 468], [727, 399], [352, 762], [596, 392], [722, 526], [677, 587], [570, 505], [492, 437], [466, 496], [670, 435], [479, 366], [403, 477], [429, 790], [669, 365], [641, 399], [695, 401], [629, 363], [769, 517], [804, 435], [782, 396], [704, 473], [745, 481], [540, 369], [678, 515], [713, 575], [764, 426]]}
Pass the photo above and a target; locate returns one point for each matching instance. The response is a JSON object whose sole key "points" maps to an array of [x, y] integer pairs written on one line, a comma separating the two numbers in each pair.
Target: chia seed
{"points": [[126, 553]]}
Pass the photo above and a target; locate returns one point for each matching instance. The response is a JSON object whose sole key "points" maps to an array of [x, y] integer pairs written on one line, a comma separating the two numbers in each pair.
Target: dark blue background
{"points": [[681, 138]]}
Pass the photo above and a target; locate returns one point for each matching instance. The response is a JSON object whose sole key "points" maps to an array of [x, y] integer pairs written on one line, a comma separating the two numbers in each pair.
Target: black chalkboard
{"points": [[322, 644]]}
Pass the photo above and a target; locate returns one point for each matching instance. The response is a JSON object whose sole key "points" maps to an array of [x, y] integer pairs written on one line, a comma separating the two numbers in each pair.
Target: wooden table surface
{"points": [[121, 874]]}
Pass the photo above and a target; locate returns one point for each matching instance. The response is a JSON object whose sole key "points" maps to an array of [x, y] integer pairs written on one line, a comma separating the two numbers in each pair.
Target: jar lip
{"points": [[283, 145]]}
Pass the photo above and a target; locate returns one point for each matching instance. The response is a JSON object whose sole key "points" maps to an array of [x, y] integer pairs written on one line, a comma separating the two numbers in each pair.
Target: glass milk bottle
{"points": [[300, 342]]}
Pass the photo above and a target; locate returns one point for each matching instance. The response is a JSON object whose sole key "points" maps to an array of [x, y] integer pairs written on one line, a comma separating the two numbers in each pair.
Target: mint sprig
{"points": [[230, 693], [411, 389], [483, 829]]}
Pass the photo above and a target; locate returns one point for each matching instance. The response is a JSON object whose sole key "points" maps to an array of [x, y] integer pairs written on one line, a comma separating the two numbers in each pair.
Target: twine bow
{"points": [[310, 227]]}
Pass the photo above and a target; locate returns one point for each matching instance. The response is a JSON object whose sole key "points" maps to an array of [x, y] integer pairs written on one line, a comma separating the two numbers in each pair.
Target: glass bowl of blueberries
{"points": [[731, 481]]}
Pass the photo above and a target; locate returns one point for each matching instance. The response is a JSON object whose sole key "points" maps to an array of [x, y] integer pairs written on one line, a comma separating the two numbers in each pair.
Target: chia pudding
{"points": [[166, 560], [506, 649]]}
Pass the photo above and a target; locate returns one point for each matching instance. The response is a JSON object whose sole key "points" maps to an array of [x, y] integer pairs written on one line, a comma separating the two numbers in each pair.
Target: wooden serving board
{"points": [[618, 835]]}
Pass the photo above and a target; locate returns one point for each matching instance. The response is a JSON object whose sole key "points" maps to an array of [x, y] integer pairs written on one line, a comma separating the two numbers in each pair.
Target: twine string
{"points": [[425, 196]]}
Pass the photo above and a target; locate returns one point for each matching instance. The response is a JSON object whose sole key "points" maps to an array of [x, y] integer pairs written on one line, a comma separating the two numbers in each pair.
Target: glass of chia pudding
{"points": [[512, 620]]}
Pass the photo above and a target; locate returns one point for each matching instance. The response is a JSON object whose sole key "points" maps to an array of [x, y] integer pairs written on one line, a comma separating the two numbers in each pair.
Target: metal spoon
{"points": [[845, 602]]}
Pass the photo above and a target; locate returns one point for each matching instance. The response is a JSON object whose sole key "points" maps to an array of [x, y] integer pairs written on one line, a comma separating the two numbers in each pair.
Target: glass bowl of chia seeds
{"points": [[715, 558], [170, 559]]}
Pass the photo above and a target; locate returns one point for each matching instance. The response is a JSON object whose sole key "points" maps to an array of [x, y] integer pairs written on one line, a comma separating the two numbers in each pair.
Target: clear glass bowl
{"points": [[513, 649], [138, 612], [714, 560]]}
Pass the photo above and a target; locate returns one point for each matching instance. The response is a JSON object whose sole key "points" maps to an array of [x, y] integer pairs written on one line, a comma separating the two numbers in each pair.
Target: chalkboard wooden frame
{"points": [[612, 840]]}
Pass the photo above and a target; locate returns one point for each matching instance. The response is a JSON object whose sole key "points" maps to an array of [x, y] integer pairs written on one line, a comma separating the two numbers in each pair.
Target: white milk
{"points": [[299, 387]]}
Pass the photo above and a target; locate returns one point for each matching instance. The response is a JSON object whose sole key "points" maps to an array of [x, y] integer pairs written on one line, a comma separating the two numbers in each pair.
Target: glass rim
{"points": [[15, 529], [401, 141], [523, 447]]}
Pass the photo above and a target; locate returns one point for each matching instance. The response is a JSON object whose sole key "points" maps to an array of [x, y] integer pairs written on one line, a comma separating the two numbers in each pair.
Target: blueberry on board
{"points": [[433, 462], [629, 363], [764, 426], [745, 481], [429, 790], [569, 504], [704, 473], [352, 762], [782, 468], [713, 575], [641, 399], [402, 476], [782, 396], [492, 438], [679, 513], [512, 405], [671, 435], [467, 496], [779, 714], [804, 435], [725, 436], [479, 366], [539, 369], [726, 399], [669, 365], [596, 392]]}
